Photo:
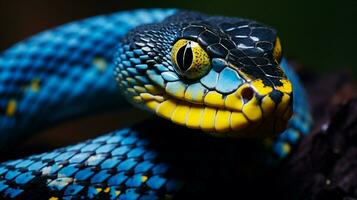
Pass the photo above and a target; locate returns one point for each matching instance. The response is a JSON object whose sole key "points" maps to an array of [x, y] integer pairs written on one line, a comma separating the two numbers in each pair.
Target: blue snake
{"points": [[221, 91]]}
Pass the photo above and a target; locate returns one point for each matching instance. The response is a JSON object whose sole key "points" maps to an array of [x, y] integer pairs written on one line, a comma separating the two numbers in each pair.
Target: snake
{"points": [[223, 99]]}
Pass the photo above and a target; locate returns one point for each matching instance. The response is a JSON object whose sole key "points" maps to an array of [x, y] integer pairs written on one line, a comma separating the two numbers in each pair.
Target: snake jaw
{"points": [[251, 110]]}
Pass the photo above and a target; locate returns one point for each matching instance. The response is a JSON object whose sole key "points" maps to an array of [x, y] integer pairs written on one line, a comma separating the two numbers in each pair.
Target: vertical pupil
{"points": [[184, 57], [188, 58]]}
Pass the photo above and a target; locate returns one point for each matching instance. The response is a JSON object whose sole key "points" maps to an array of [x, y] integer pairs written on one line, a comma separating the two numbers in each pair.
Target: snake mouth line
{"points": [[208, 118]]}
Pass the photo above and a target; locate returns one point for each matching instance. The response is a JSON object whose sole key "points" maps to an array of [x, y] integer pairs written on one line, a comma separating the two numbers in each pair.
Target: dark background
{"points": [[320, 34]]}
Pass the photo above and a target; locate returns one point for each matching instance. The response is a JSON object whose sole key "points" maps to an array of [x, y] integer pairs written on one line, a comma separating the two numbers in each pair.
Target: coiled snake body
{"points": [[207, 74]]}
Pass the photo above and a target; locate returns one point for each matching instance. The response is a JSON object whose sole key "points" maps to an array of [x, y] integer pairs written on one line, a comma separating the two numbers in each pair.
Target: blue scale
{"points": [[160, 169], [117, 179], [129, 140], [210, 80], [59, 183], [12, 174], [106, 148], [130, 194], [51, 169], [84, 174], [64, 156], [68, 171], [95, 159], [136, 152], [110, 163], [73, 190], [156, 182], [228, 81], [121, 150], [127, 165], [79, 158], [12, 192], [143, 167], [134, 181], [100, 177], [3, 186], [24, 178]]}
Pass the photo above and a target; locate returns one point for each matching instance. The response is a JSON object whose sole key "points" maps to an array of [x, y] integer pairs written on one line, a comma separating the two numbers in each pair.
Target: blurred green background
{"points": [[319, 34]]}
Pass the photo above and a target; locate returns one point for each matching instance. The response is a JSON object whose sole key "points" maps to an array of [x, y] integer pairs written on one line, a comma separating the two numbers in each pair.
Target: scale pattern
{"points": [[70, 67], [245, 43], [115, 165]]}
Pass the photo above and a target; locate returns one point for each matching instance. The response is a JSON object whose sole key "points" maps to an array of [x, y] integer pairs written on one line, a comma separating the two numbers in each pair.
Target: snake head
{"points": [[218, 74]]}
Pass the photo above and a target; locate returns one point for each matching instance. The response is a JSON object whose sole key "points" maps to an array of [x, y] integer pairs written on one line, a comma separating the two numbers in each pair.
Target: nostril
{"points": [[247, 94]]}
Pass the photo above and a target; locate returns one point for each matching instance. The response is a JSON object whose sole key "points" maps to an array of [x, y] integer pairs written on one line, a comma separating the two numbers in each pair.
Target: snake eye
{"points": [[277, 50], [190, 60]]}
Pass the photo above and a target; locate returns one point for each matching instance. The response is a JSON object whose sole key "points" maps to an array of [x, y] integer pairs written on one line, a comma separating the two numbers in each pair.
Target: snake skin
{"points": [[70, 67], [55, 70]]}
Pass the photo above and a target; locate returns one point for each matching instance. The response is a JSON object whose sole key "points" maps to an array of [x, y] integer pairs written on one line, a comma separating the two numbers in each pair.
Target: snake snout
{"points": [[271, 107], [265, 110]]}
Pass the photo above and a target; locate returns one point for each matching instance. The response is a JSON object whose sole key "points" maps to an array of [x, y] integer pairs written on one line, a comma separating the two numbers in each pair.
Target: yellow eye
{"points": [[190, 60], [277, 50]]}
